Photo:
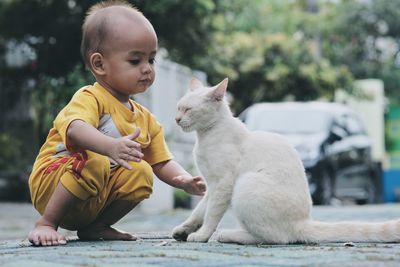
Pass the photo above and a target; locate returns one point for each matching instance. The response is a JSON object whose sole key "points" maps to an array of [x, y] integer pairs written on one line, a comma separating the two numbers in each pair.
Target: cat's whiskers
{"points": [[208, 127]]}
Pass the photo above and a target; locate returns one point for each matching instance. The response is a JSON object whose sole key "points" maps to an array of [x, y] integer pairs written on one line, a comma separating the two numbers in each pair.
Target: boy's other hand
{"points": [[125, 149], [193, 185]]}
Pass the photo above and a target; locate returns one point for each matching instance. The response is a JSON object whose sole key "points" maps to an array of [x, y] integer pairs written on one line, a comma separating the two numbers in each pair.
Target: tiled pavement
{"points": [[156, 248]]}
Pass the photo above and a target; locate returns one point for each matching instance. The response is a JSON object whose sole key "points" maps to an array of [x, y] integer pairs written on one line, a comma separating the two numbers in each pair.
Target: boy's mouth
{"points": [[145, 81]]}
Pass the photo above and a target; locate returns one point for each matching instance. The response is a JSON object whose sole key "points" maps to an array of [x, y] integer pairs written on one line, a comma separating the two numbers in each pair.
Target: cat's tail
{"points": [[316, 231]]}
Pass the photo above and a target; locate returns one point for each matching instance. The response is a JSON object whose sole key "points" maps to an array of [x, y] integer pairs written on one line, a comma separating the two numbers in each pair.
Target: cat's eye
{"points": [[184, 109]]}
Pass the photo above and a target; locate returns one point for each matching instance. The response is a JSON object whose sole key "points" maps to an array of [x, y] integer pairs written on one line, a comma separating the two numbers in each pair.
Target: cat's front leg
{"points": [[192, 223], [217, 205]]}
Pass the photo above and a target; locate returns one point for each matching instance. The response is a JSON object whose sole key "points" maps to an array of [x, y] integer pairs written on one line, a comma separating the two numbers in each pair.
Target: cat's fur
{"points": [[261, 176]]}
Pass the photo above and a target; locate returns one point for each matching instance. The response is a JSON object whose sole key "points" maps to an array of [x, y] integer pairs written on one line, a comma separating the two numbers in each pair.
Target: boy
{"points": [[98, 160]]}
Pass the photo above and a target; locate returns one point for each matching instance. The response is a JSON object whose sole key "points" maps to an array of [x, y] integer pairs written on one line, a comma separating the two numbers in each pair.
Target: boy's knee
{"points": [[142, 169], [138, 182], [91, 172], [143, 174], [98, 165]]}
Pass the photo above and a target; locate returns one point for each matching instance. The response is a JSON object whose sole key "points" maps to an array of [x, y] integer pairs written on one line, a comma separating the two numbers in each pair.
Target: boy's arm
{"points": [[87, 137], [175, 175]]}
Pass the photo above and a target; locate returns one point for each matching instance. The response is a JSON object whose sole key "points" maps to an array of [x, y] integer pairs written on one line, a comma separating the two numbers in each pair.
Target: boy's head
{"points": [[119, 45]]}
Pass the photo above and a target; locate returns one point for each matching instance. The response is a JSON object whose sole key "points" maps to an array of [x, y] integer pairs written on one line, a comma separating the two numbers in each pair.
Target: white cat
{"points": [[261, 176]]}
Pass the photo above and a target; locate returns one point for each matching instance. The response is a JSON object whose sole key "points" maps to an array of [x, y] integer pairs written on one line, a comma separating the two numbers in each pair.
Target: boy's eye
{"points": [[152, 61], [134, 61]]}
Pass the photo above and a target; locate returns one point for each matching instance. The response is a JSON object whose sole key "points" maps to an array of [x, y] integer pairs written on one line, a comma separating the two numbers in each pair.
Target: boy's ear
{"points": [[96, 64], [194, 84], [218, 92]]}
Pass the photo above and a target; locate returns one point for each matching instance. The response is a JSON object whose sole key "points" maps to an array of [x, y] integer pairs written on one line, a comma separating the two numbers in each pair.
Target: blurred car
{"points": [[331, 141]]}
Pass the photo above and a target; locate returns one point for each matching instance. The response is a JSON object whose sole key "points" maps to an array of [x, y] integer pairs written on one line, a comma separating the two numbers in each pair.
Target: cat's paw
{"points": [[220, 237], [225, 236], [236, 236], [197, 237], [180, 233]]}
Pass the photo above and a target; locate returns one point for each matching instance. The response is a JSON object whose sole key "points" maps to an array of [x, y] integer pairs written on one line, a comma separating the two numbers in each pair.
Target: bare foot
{"points": [[104, 232], [45, 235]]}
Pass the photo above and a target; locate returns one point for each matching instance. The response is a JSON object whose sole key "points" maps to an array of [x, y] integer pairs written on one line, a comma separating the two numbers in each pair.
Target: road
{"points": [[156, 248]]}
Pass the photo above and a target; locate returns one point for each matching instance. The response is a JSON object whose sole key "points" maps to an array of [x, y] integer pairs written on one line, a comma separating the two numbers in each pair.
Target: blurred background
{"points": [[335, 64]]}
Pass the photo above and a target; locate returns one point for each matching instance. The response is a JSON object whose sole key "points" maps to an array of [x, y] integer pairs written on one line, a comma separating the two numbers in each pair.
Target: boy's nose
{"points": [[147, 69]]}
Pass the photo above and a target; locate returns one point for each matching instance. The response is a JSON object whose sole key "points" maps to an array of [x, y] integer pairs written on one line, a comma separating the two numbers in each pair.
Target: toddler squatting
{"points": [[98, 160]]}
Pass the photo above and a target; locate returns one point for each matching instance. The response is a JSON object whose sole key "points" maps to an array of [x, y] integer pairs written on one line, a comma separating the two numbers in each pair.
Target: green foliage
{"points": [[183, 27], [51, 27], [274, 58], [51, 94], [369, 47], [9, 152], [390, 74], [182, 199]]}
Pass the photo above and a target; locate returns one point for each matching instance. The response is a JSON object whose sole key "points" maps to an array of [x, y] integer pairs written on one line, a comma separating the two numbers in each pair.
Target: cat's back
{"points": [[262, 146], [277, 165], [264, 139]]}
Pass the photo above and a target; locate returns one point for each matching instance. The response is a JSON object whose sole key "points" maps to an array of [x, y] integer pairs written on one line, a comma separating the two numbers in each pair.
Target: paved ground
{"points": [[156, 248]]}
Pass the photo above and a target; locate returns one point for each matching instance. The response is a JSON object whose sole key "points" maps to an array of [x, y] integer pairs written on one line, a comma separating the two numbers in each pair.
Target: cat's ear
{"points": [[218, 91], [194, 84]]}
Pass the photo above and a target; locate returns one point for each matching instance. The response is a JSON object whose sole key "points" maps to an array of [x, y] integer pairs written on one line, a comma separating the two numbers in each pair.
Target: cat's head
{"points": [[201, 107]]}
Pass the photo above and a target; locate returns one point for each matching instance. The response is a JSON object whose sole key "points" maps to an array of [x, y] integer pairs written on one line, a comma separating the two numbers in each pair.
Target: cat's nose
{"points": [[178, 120]]}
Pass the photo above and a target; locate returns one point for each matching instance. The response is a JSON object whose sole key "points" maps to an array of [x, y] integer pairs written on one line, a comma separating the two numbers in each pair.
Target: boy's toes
{"points": [[47, 242], [42, 242], [33, 238], [38, 241], [54, 242], [57, 240], [35, 241]]}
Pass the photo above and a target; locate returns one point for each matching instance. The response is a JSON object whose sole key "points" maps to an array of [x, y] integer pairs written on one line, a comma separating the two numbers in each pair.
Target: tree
{"points": [[273, 67], [184, 27], [268, 56], [370, 47]]}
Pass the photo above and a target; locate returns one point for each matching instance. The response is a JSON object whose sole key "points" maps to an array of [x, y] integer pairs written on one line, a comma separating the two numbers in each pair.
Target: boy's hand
{"points": [[125, 149], [193, 185]]}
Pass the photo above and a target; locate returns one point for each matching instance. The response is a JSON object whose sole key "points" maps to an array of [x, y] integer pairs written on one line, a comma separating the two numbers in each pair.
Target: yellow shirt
{"points": [[99, 108]]}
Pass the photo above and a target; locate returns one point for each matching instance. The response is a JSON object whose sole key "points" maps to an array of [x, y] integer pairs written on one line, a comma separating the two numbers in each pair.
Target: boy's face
{"points": [[129, 59]]}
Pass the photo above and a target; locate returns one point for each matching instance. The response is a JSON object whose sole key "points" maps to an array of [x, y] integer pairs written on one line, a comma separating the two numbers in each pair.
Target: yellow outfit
{"points": [[90, 176]]}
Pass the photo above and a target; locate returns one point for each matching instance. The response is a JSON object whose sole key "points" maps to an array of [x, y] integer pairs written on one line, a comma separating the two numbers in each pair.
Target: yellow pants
{"points": [[87, 175]]}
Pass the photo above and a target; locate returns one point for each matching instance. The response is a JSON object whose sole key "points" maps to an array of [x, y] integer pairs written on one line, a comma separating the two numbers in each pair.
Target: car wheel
{"points": [[325, 188], [370, 190]]}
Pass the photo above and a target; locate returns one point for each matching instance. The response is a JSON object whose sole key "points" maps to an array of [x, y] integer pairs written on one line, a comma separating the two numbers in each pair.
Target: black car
{"points": [[332, 143]]}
